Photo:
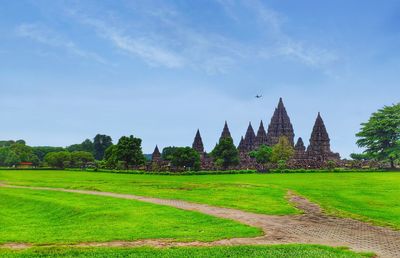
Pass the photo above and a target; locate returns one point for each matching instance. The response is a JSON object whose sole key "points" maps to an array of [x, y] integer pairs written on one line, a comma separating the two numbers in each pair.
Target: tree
{"points": [[183, 157], [86, 145], [6, 143], [81, 158], [100, 143], [24, 153], [360, 156], [127, 150], [262, 155], [381, 134], [110, 157], [282, 151], [41, 151], [60, 159], [8, 157], [168, 153], [225, 153]]}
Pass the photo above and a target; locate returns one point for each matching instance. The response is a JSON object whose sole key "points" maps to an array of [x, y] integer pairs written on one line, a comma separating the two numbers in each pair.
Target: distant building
{"points": [[25, 165]]}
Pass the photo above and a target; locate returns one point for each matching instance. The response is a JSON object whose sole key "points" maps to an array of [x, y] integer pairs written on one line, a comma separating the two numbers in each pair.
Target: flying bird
{"points": [[258, 96]]}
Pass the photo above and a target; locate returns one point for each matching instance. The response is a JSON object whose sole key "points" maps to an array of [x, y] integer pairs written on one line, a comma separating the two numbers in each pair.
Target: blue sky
{"points": [[161, 69]]}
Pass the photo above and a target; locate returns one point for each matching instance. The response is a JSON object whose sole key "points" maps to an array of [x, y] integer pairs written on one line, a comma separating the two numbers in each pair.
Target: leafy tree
{"points": [[282, 164], [8, 157], [41, 151], [86, 145], [81, 158], [283, 150], [381, 134], [100, 143], [330, 164], [58, 159], [127, 150], [21, 142], [360, 156], [225, 153], [15, 152], [25, 153], [6, 143], [168, 153], [185, 157], [262, 155], [110, 157]]}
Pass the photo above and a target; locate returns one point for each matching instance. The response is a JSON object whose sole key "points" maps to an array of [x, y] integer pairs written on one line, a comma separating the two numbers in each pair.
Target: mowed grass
{"points": [[371, 197], [282, 251], [45, 217]]}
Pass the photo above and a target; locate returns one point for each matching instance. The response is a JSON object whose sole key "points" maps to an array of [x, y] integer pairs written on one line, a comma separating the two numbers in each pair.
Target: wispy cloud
{"points": [[45, 35], [279, 43], [144, 47], [160, 34], [181, 47]]}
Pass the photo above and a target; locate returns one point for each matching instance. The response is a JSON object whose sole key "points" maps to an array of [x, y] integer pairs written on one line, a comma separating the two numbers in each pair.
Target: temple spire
{"points": [[280, 125], [300, 145], [225, 132], [249, 139], [156, 156], [198, 143], [241, 146], [320, 147], [261, 138]]}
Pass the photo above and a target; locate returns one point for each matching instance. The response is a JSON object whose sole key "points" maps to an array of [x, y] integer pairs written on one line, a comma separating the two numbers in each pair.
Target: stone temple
{"points": [[316, 155]]}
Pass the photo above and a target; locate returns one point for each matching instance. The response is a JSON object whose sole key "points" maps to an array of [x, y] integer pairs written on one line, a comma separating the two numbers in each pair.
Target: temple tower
{"points": [[261, 138], [300, 150], [156, 156], [241, 148], [249, 139], [198, 143], [225, 132], [280, 125], [320, 148]]}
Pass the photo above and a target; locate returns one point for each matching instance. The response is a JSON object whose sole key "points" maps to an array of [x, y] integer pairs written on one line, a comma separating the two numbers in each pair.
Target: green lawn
{"points": [[282, 251], [368, 196], [55, 217]]}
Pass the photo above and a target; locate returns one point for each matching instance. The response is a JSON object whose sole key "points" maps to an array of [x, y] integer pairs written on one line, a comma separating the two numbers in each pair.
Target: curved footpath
{"points": [[312, 227]]}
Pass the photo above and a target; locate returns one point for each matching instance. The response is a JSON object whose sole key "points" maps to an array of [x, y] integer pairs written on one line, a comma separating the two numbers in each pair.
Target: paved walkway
{"points": [[312, 227]]}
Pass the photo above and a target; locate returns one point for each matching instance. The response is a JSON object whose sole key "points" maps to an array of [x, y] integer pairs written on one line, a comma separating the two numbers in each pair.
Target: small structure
{"points": [[25, 165], [156, 156], [320, 147]]}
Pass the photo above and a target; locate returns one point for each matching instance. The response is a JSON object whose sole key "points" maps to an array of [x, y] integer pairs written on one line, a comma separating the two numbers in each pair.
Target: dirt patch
{"points": [[16, 246], [312, 227]]}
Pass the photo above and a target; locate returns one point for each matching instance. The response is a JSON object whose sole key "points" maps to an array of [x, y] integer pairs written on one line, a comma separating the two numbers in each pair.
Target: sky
{"points": [[160, 70]]}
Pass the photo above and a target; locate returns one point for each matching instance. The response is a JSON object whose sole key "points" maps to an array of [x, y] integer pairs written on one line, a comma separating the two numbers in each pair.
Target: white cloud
{"points": [[44, 35], [279, 42], [162, 35], [142, 47]]}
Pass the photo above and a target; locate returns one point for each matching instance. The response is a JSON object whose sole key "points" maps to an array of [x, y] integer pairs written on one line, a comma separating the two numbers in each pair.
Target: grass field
{"points": [[44, 217], [284, 251], [367, 196]]}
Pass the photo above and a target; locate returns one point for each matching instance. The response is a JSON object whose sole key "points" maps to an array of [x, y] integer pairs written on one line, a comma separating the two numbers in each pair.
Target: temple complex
{"points": [[316, 155]]}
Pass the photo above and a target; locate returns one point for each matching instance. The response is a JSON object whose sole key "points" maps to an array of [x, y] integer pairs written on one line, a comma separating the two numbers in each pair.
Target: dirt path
{"points": [[312, 227]]}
